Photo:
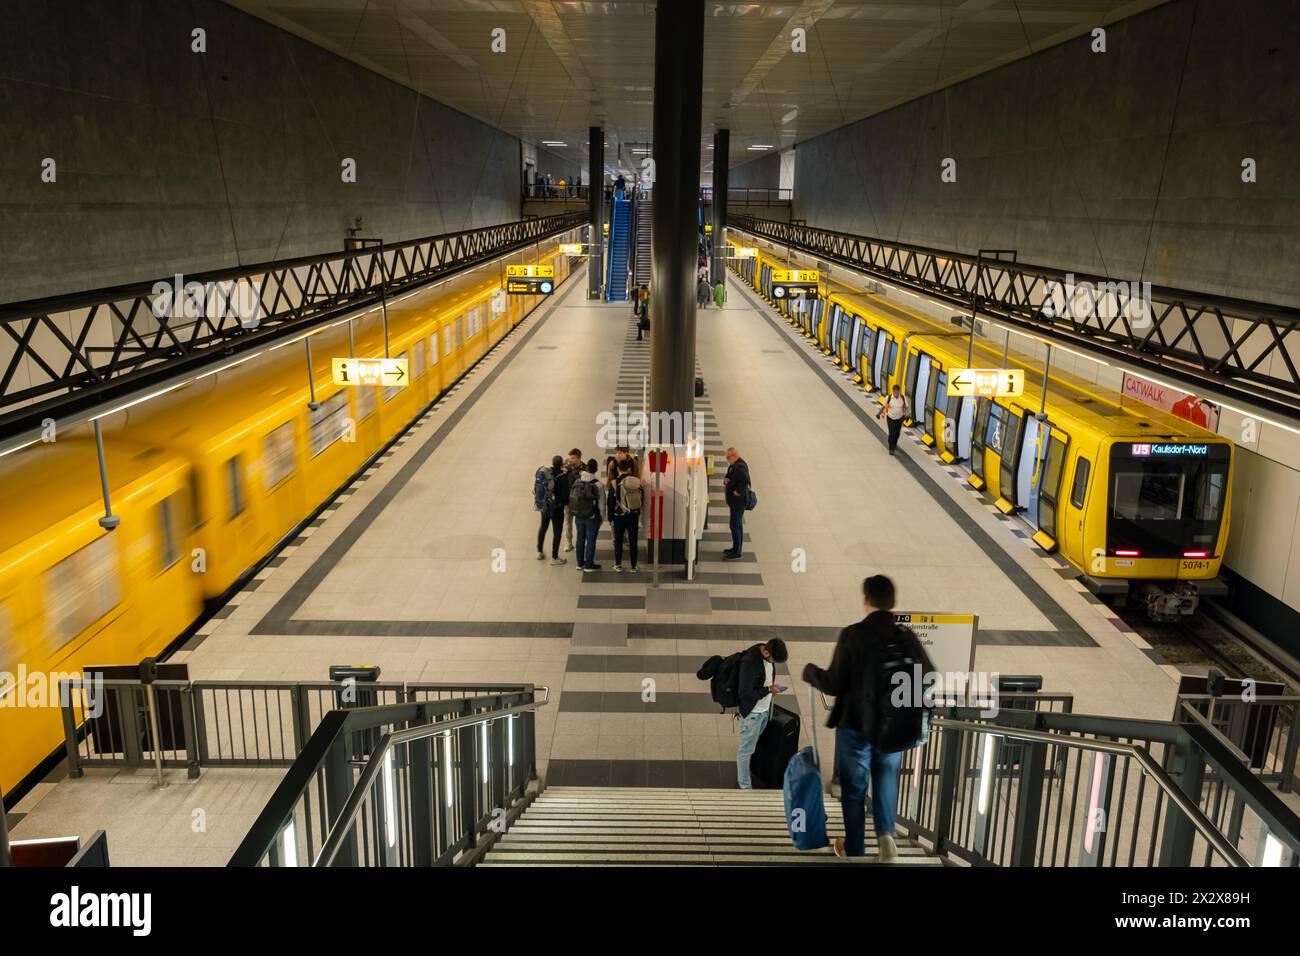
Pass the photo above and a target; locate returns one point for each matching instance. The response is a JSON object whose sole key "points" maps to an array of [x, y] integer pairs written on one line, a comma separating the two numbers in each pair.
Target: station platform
{"points": [[427, 567]]}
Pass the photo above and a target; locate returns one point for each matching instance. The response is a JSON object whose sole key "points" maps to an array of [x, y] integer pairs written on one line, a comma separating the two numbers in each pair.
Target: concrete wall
{"points": [[765, 171], [1125, 163], [174, 161]]}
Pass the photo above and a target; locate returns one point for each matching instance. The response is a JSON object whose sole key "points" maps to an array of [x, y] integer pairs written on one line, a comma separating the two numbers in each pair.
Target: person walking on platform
{"points": [[856, 678], [756, 686], [737, 485], [703, 292], [627, 512], [550, 492], [720, 294], [894, 411], [572, 469], [587, 499], [643, 324]]}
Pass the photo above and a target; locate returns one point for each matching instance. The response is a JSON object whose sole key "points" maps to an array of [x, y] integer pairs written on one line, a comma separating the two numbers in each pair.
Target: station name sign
{"points": [[1168, 450]]}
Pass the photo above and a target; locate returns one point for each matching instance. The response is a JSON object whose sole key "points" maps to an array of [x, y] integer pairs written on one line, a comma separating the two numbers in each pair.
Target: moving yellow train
{"points": [[206, 480], [1135, 498]]}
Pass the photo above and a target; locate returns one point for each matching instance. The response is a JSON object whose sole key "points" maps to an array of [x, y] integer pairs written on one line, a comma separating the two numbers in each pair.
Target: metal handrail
{"points": [[339, 831], [1140, 754], [1199, 718]]}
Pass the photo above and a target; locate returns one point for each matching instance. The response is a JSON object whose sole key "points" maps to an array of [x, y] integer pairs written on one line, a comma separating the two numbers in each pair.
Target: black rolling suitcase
{"points": [[776, 746]]}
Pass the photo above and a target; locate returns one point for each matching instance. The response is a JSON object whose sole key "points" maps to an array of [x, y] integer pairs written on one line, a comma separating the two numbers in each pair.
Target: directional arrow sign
{"points": [[986, 382], [369, 371], [530, 271]]}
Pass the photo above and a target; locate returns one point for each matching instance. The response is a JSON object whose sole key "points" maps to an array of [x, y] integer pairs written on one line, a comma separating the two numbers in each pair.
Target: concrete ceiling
{"points": [[569, 65]]}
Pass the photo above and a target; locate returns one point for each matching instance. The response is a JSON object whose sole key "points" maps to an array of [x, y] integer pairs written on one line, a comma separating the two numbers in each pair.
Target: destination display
{"points": [[530, 279], [794, 283]]}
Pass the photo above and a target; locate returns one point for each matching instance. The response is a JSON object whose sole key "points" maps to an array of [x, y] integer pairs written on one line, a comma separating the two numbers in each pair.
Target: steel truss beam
{"points": [[1234, 346], [63, 355]]}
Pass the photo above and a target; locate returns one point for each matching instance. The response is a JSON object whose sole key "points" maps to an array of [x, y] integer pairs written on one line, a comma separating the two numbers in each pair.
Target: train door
{"points": [[1049, 489], [1029, 471], [979, 438], [919, 384], [832, 332], [883, 340], [934, 395], [965, 418], [865, 354], [1009, 449]]}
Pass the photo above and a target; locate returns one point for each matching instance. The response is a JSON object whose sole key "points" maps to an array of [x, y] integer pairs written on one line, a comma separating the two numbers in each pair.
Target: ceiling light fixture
{"points": [[759, 146]]}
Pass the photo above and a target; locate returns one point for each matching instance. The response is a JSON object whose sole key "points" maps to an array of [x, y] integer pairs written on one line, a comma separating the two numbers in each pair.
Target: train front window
{"points": [[1168, 501]]}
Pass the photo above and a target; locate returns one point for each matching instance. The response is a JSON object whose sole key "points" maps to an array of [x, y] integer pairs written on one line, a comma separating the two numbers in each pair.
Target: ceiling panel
{"points": [[569, 65]]}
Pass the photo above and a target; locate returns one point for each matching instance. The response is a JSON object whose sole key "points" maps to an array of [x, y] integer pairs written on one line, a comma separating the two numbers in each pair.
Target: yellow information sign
{"points": [[746, 252], [530, 272], [570, 248], [708, 228], [370, 371], [986, 382], [796, 275]]}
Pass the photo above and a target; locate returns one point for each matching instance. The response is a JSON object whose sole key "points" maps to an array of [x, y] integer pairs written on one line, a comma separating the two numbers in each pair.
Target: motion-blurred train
{"points": [[1135, 498], [206, 480]]}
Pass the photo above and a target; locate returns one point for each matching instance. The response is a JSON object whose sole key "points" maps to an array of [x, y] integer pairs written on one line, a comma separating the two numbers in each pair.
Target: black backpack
{"points": [[582, 499], [902, 719], [723, 675]]}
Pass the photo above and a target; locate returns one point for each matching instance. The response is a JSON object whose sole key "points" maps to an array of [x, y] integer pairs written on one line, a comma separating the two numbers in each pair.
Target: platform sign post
{"points": [[389, 372], [948, 640], [986, 382]]}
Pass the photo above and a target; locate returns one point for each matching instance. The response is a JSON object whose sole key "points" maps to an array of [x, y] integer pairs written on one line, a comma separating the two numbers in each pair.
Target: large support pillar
{"points": [[596, 206], [721, 170], [679, 86]]}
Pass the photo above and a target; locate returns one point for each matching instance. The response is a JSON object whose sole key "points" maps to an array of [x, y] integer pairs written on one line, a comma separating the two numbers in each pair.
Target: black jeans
{"points": [[554, 521], [895, 429], [628, 524], [737, 524]]}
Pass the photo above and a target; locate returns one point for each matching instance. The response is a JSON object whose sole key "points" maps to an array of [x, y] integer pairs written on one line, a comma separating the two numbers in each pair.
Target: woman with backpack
{"points": [[550, 491], [627, 512]]}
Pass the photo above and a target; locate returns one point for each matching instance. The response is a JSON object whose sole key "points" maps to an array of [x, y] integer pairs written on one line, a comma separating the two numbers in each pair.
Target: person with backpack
{"points": [[550, 491], [587, 501], [627, 511], [572, 469], [895, 408], [755, 687], [738, 494], [871, 730]]}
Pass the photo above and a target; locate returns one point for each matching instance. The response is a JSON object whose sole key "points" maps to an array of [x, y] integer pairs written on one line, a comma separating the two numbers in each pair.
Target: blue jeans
{"points": [[587, 531], [737, 523], [855, 761], [751, 728]]}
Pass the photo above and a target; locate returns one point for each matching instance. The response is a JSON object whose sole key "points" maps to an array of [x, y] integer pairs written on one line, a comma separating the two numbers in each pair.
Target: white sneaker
{"points": [[540, 556], [568, 547], [888, 850], [618, 567], [559, 561]]}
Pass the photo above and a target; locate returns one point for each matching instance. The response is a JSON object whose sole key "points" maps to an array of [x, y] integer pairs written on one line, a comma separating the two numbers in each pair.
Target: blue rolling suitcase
{"points": [[805, 809]]}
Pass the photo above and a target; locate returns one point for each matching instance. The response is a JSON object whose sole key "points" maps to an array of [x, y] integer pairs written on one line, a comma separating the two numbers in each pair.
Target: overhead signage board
{"points": [[948, 639], [708, 228], [794, 283], [529, 270], [391, 372], [530, 286], [746, 252], [986, 382], [571, 249]]}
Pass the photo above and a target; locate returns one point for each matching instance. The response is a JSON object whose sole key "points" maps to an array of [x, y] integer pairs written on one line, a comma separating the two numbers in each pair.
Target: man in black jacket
{"points": [[854, 678], [756, 685], [736, 483]]}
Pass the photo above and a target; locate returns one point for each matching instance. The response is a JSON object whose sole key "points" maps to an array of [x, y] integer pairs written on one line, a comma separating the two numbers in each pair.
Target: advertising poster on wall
{"points": [[1198, 411]]}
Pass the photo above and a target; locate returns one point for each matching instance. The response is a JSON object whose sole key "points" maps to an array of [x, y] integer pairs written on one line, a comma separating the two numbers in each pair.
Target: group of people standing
{"points": [[706, 292], [574, 493]]}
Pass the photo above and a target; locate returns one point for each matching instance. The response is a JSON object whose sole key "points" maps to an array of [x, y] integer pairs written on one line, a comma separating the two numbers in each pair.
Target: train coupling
{"points": [[1170, 601]]}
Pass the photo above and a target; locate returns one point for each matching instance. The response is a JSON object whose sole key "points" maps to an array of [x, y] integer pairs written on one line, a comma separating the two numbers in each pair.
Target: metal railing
{"points": [[1234, 346], [62, 355], [427, 783], [207, 723], [1264, 730], [1053, 789], [751, 195]]}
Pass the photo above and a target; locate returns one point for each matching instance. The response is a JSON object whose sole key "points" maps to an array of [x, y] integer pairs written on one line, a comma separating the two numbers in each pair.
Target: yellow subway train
{"points": [[206, 480], [1137, 499]]}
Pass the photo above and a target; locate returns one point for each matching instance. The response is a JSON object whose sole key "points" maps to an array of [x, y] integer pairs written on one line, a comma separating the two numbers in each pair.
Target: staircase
{"points": [[619, 238], [611, 826], [641, 263]]}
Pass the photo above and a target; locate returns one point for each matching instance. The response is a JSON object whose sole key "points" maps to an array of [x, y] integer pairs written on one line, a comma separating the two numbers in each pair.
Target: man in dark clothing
{"points": [[854, 678], [572, 469], [553, 513], [756, 685], [736, 483]]}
